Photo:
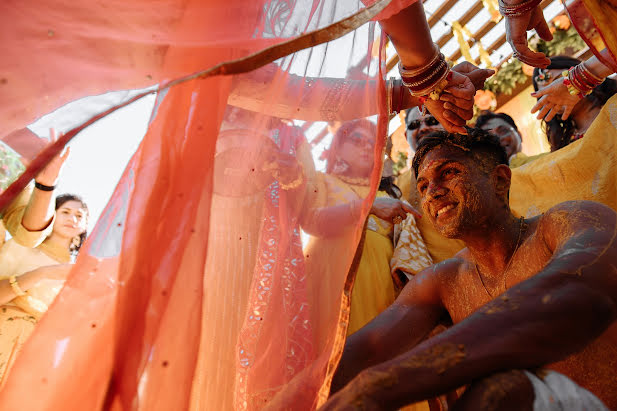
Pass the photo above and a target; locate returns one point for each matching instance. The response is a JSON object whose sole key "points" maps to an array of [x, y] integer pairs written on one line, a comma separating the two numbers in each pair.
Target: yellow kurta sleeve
{"points": [[12, 221]]}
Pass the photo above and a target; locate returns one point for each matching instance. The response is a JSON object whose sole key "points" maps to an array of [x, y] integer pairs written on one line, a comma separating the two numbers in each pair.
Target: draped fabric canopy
{"points": [[195, 289]]}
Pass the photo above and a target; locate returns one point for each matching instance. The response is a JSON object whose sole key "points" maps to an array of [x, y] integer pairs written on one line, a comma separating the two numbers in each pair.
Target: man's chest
{"points": [[469, 290]]}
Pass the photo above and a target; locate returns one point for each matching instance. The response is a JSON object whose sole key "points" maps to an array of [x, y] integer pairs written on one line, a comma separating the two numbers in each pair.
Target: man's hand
{"points": [[516, 35], [388, 209], [49, 175], [554, 99]]}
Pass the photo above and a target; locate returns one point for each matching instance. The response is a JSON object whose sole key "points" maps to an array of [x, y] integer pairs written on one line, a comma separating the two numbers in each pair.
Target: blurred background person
{"points": [[504, 127]]}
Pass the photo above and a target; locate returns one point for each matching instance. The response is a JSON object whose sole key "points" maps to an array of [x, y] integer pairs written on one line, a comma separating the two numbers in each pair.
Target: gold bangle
{"points": [[414, 71], [15, 286]]}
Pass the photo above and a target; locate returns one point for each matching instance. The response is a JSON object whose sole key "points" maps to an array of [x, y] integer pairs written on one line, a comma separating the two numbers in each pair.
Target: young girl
{"points": [[30, 278]]}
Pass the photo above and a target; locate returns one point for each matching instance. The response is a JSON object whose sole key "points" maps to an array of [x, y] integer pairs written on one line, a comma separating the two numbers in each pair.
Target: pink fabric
{"points": [[159, 311]]}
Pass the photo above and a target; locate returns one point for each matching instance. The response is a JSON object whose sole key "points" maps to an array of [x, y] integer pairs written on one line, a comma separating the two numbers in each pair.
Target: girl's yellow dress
{"points": [[19, 316]]}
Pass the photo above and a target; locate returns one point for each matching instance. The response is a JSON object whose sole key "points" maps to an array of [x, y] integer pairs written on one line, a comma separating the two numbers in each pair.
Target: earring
{"points": [[76, 242], [340, 166]]}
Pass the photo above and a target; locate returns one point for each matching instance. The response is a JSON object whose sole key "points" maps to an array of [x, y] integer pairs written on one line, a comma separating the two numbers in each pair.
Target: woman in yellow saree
{"points": [[340, 192]]}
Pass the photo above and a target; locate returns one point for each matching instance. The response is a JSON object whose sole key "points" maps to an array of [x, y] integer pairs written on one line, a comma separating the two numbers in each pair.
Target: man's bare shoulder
{"points": [[428, 285], [572, 218]]}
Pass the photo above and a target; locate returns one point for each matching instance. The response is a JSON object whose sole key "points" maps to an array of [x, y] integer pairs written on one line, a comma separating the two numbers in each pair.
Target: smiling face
{"points": [[457, 191], [71, 219], [509, 138], [357, 151]]}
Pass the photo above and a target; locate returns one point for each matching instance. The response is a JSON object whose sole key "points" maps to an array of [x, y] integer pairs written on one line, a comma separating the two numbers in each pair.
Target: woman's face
{"points": [[71, 219], [357, 151]]}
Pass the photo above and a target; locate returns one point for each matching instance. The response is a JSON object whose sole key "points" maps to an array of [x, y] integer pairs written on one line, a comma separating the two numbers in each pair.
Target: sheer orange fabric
{"points": [[594, 20], [194, 291]]}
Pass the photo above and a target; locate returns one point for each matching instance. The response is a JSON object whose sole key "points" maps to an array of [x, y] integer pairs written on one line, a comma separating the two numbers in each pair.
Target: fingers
{"points": [[52, 135], [541, 103], [542, 28], [516, 35], [552, 113], [544, 111], [462, 113], [540, 93], [461, 87], [452, 127], [530, 57], [450, 120], [459, 102], [409, 209], [478, 77], [65, 155], [566, 113], [465, 67]]}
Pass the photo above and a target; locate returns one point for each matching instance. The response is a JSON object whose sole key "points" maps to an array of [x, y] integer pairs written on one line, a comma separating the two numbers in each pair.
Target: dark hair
{"points": [[63, 198], [487, 116], [387, 184], [559, 132], [341, 135], [477, 141]]}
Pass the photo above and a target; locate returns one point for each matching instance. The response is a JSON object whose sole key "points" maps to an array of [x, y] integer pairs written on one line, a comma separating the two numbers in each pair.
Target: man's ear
{"points": [[502, 176]]}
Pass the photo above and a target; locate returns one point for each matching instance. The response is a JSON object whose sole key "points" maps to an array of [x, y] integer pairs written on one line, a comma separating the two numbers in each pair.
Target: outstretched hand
{"points": [[49, 175], [554, 99], [388, 209], [516, 35]]}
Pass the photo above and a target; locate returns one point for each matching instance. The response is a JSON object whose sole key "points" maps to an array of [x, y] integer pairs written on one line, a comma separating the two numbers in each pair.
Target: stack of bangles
{"points": [[580, 81], [519, 9], [429, 80]]}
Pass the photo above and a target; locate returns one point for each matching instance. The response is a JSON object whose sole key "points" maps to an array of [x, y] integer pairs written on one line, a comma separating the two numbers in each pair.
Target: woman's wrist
{"points": [[402, 98], [595, 67], [515, 8]]}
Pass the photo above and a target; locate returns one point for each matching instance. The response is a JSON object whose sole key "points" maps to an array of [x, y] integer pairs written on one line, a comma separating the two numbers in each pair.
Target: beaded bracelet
{"points": [[518, 9]]}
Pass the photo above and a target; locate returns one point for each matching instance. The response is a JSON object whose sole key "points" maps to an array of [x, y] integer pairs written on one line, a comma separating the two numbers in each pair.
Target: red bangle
{"points": [[423, 83]]}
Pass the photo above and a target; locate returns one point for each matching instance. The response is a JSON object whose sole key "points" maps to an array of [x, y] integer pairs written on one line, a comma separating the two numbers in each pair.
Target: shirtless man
{"points": [[524, 294]]}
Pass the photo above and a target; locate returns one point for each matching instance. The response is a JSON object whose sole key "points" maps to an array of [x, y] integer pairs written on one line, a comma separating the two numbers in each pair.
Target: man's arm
{"points": [[539, 321], [404, 324]]}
